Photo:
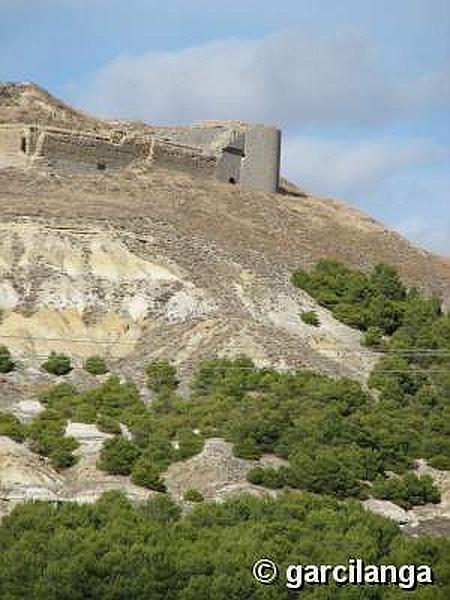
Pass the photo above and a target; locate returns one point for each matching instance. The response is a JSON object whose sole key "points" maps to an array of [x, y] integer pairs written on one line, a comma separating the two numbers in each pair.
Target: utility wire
{"points": [[91, 340]]}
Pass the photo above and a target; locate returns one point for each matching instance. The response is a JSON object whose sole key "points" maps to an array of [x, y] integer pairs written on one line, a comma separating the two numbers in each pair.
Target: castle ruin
{"points": [[230, 152]]}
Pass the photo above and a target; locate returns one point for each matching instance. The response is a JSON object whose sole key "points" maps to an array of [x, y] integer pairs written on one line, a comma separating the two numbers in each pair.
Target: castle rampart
{"points": [[180, 157], [231, 152], [79, 151]]}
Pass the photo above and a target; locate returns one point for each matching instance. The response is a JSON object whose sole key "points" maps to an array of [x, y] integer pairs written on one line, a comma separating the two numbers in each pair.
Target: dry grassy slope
{"points": [[224, 257], [29, 103], [168, 265]]}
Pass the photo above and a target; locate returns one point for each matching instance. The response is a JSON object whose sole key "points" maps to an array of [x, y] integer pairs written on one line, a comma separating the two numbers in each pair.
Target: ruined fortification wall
{"points": [[169, 155], [13, 146], [258, 165], [231, 152], [230, 163], [201, 136], [260, 168], [73, 151], [229, 168]]}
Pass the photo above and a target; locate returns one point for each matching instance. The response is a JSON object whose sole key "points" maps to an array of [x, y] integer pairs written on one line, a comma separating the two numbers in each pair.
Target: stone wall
{"points": [[229, 168], [13, 145], [201, 136], [258, 165], [169, 155], [260, 168], [74, 151], [231, 152]]}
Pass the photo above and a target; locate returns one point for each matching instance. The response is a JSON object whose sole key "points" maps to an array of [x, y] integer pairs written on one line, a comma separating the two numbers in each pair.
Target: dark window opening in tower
{"points": [[101, 166], [232, 180], [23, 144]]}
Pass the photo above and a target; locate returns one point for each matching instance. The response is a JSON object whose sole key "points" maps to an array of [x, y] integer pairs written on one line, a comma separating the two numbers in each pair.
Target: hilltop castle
{"points": [[231, 151]]}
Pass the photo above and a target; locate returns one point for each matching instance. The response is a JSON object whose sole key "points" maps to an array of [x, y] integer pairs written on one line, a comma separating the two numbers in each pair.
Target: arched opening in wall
{"points": [[232, 180], [23, 144], [101, 166]]}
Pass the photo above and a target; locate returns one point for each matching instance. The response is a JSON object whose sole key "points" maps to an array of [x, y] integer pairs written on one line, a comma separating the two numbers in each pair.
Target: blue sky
{"points": [[360, 88]]}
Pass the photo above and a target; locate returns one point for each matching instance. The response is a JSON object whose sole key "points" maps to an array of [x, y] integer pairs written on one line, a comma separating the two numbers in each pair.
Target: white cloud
{"points": [[353, 168], [289, 79]]}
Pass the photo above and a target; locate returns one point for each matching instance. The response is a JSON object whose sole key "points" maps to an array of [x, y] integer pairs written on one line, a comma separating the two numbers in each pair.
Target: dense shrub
{"points": [[310, 317], [47, 437], [441, 462], [57, 364], [373, 337], [412, 378], [12, 427], [145, 473], [359, 300], [6, 362], [193, 495], [328, 470], [107, 424], [189, 444], [95, 365], [247, 448], [161, 375], [118, 456], [269, 477], [115, 549], [407, 491], [225, 376]]}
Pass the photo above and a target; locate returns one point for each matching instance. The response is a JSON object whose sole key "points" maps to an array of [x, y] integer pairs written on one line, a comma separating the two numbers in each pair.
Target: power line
{"points": [[68, 339], [92, 340], [110, 343]]}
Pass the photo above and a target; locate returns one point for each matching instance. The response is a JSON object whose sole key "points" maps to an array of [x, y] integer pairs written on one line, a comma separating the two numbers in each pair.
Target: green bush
{"points": [[440, 462], [247, 448], [373, 337], [47, 437], [189, 444], [146, 474], [117, 549], [407, 491], [193, 495], [118, 456], [161, 375], [95, 365], [359, 300], [60, 454], [310, 317], [107, 424], [6, 362], [268, 477], [328, 470], [225, 376], [57, 364], [12, 427], [58, 396]]}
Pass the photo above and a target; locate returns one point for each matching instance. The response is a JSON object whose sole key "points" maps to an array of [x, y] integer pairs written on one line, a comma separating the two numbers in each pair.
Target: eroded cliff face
{"points": [[85, 291], [82, 291]]}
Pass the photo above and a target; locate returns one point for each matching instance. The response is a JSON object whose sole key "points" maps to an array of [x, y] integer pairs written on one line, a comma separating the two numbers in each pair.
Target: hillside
{"points": [[150, 264], [29, 103], [199, 267]]}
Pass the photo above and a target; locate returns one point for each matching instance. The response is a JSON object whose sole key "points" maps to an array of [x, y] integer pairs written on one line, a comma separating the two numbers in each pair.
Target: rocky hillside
{"points": [[157, 264], [150, 264], [29, 103]]}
